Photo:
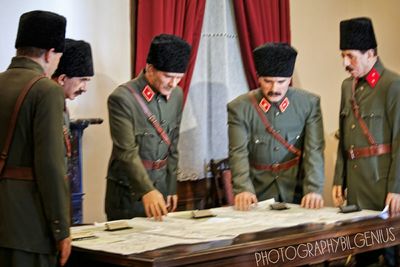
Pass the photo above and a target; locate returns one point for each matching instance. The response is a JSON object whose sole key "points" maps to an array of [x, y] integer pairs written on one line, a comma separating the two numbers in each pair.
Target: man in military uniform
{"points": [[368, 153], [145, 116], [73, 73], [34, 196], [75, 68], [275, 134]]}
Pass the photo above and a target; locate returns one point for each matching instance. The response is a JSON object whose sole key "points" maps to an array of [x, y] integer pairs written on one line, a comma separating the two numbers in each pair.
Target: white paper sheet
{"points": [[180, 228]]}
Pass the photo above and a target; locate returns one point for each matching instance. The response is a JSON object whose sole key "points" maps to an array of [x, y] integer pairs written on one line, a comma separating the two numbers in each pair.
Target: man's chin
{"points": [[166, 92], [353, 74], [274, 99]]}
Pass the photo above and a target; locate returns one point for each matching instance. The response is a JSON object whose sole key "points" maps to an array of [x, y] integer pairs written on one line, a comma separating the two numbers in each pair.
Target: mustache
{"points": [[348, 68], [273, 93], [79, 92]]}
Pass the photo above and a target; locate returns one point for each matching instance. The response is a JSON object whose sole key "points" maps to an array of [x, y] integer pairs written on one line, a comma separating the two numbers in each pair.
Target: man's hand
{"points": [[172, 202], [154, 205], [337, 195], [244, 200], [312, 201], [393, 200], [64, 247]]}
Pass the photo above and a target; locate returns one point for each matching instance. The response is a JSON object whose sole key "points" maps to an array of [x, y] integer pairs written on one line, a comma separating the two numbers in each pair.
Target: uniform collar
{"points": [[148, 93], [265, 105], [26, 63], [374, 74]]}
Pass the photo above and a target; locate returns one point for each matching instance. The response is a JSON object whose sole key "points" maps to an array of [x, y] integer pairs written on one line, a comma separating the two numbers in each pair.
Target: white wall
{"points": [[105, 25]]}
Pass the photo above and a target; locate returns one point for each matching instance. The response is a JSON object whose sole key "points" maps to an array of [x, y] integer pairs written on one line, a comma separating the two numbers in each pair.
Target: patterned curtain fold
{"points": [[183, 18], [258, 22]]}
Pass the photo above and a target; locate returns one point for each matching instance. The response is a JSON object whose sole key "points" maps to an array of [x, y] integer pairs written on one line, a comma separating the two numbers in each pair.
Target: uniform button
{"points": [[277, 114], [161, 142], [278, 131], [362, 88], [276, 148], [58, 230], [355, 166], [372, 115], [353, 126], [257, 141], [56, 221], [276, 177], [162, 121], [297, 137], [158, 100]]}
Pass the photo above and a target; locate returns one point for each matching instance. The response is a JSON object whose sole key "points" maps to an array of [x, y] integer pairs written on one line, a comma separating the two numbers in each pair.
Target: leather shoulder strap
{"points": [[150, 116], [271, 130], [356, 111], [13, 120]]}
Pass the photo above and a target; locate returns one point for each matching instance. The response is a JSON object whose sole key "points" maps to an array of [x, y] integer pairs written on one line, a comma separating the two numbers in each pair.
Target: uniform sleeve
{"points": [[49, 164], [125, 148], [339, 174], [238, 150], [313, 154], [173, 154], [393, 109]]}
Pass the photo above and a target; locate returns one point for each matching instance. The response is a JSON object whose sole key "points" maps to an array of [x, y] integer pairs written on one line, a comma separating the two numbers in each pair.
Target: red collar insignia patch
{"points": [[373, 77], [284, 104], [264, 105], [148, 93]]}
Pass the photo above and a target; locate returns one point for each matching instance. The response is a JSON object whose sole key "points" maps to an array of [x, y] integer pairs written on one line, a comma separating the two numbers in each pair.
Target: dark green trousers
{"points": [[19, 258]]}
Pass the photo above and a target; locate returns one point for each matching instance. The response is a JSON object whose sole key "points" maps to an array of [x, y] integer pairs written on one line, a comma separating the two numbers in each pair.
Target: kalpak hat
{"points": [[275, 60], [41, 29], [357, 34], [169, 53], [76, 60]]}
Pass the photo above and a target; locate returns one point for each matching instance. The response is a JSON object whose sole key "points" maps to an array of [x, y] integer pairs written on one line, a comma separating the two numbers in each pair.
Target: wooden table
{"points": [[299, 245]]}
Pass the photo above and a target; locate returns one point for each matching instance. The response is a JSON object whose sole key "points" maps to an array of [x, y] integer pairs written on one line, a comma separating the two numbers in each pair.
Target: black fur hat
{"points": [[41, 29], [76, 60], [275, 60], [357, 34], [169, 53]]}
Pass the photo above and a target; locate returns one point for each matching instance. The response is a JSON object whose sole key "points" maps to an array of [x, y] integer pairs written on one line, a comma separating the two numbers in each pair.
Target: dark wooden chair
{"points": [[221, 191], [193, 194]]}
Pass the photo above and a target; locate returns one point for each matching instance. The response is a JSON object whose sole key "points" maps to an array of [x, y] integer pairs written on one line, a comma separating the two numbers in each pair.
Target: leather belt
{"points": [[364, 152], [154, 165], [17, 173], [277, 166]]}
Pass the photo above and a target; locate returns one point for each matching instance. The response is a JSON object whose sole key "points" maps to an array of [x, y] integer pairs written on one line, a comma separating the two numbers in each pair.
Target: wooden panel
{"points": [[293, 246], [193, 194]]}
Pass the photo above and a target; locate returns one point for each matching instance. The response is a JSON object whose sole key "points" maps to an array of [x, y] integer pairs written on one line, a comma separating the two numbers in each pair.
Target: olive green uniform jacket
{"points": [[135, 139], [34, 214], [369, 180], [249, 142]]}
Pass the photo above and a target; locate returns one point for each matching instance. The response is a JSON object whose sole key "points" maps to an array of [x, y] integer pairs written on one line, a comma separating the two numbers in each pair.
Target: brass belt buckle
{"points": [[351, 153], [275, 167], [156, 164]]}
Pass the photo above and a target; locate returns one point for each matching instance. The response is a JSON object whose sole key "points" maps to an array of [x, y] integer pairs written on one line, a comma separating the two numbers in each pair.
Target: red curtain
{"points": [[258, 22], [183, 18]]}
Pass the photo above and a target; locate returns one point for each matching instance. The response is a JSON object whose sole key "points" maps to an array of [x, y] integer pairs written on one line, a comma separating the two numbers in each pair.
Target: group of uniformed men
{"points": [[276, 138]]}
